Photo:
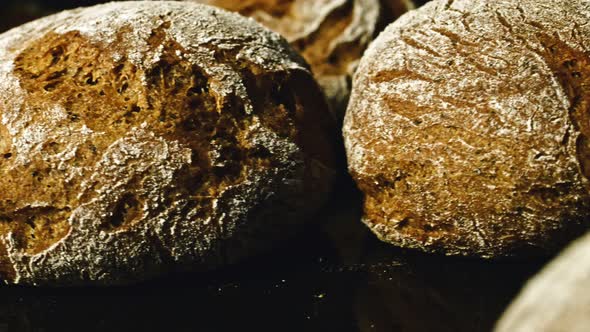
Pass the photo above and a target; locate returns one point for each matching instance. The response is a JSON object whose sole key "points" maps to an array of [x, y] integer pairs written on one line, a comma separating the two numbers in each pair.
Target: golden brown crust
{"points": [[137, 141], [467, 128], [330, 34]]}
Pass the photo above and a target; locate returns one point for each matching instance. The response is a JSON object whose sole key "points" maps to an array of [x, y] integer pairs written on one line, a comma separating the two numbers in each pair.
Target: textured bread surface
{"points": [[556, 299], [141, 137], [468, 126], [330, 34]]}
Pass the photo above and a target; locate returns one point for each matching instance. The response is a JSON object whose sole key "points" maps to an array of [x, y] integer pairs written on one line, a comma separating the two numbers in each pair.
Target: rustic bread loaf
{"points": [[330, 34], [468, 127], [557, 299], [140, 137]]}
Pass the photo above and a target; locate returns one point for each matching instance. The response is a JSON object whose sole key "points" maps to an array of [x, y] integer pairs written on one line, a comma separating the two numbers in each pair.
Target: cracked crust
{"points": [[330, 34], [138, 138], [468, 127]]}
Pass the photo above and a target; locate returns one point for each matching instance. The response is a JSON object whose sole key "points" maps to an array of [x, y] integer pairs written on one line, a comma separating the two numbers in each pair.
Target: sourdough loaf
{"points": [[468, 127], [142, 137]]}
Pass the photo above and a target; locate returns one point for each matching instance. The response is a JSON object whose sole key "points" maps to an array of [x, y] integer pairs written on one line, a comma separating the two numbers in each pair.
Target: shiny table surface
{"points": [[334, 276]]}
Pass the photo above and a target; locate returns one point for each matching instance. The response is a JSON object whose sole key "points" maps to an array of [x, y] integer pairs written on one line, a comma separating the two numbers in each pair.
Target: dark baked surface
{"points": [[393, 9], [467, 128], [140, 137]]}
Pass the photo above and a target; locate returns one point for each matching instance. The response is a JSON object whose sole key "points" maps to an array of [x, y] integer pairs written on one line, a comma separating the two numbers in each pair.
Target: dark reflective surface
{"points": [[333, 277], [17, 12]]}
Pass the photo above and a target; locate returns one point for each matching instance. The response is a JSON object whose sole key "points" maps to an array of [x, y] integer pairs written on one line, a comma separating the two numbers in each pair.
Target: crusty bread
{"points": [[467, 129], [140, 137], [330, 34], [557, 299]]}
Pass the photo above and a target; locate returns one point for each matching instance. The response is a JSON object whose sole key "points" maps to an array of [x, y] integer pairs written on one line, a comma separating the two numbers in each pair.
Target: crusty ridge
{"points": [[467, 130], [140, 136], [331, 35]]}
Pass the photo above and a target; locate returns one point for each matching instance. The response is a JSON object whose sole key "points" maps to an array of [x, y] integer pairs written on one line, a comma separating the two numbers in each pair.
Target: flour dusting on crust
{"points": [[462, 126], [133, 212]]}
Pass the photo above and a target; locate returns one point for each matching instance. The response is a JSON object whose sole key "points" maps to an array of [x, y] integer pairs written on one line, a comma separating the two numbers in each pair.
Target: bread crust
{"points": [[557, 298], [330, 34], [142, 137], [467, 127]]}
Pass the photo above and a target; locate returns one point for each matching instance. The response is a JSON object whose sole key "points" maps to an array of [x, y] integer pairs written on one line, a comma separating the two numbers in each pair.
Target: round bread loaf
{"points": [[330, 34], [557, 299], [142, 137], [468, 125]]}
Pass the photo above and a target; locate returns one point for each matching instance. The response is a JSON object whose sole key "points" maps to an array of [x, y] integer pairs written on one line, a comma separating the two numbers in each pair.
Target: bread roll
{"points": [[141, 137], [557, 299], [467, 129], [330, 34]]}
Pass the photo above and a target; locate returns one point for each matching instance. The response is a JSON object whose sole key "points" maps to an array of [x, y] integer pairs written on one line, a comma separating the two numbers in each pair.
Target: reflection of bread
{"points": [[467, 129], [139, 137], [557, 299], [330, 34]]}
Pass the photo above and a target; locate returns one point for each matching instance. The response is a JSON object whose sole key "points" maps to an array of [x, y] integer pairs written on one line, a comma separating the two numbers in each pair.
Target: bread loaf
{"points": [[557, 299], [468, 127], [142, 137], [330, 34]]}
